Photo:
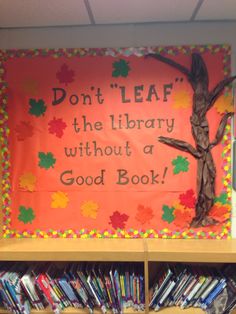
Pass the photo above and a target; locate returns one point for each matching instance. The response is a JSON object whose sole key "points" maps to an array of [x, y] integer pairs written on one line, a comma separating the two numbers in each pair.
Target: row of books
{"points": [[111, 287], [194, 286]]}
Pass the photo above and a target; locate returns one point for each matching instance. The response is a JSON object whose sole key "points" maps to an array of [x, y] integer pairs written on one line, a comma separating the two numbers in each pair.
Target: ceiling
{"points": [[51, 13]]}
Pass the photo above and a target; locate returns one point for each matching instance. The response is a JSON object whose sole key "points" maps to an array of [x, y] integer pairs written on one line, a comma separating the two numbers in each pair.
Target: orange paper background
{"points": [[34, 78]]}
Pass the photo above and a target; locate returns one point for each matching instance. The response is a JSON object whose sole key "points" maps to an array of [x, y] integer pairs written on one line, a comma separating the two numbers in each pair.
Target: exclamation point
{"points": [[164, 175]]}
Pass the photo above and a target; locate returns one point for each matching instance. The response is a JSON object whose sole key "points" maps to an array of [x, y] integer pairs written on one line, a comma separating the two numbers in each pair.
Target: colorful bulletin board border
{"points": [[83, 233]]}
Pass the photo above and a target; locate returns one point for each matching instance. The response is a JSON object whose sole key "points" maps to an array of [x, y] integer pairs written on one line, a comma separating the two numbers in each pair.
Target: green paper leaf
{"points": [[47, 160], [37, 108], [120, 68], [180, 164], [223, 199], [26, 214], [168, 213]]}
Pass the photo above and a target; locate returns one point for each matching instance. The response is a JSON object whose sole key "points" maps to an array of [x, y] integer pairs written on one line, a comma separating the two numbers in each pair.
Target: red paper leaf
{"points": [[65, 75], [57, 126], [118, 220], [24, 130], [144, 214], [188, 199]]}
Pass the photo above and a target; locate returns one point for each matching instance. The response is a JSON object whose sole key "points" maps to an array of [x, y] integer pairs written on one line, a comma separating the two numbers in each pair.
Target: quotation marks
{"points": [[114, 85], [179, 79]]}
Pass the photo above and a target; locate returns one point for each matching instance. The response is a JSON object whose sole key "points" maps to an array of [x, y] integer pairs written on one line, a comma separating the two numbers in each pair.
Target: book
{"points": [[79, 288], [13, 290], [28, 285], [225, 302], [162, 281]]}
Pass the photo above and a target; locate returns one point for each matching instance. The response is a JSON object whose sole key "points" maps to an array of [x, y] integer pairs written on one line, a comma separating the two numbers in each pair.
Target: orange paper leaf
{"points": [[183, 218], [89, 209], [220, 212], [182, 100], [144, 214], [59, 200], [27, 182], [224, 104]]}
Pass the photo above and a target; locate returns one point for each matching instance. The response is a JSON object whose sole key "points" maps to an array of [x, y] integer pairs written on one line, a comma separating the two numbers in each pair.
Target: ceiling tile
{"points": [[141, 11], [217, 10], [26, 13]]}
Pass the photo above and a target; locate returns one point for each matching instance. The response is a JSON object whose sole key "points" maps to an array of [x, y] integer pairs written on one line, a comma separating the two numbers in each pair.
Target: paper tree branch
{"points": [[180, 145], [199, 73], [218, 89], [172, 63], [221, 130]]}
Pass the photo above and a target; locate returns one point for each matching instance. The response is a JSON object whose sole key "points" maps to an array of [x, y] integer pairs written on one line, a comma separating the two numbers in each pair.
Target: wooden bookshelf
{"points": [[136, 250], [191, 250], [71, 250], [146, 251]]}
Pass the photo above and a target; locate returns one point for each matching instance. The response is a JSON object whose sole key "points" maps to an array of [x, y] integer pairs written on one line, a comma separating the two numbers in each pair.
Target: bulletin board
{"points": [[81, 155]]}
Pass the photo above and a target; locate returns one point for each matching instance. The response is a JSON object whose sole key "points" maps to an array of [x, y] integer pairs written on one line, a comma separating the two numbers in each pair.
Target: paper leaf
{"points": [[176, 204], [46, 160], [118, 220], [180, 164], [220, 212], [224, 104], [183, 218], [24, 130], [120, 68], [57, 126], [26, 214], [223, 198], [65, 75], [27, 182], [144, 214], [182, 100], [59, 200], [89, 209], [168, 213], [188, 199], [37, 108]]}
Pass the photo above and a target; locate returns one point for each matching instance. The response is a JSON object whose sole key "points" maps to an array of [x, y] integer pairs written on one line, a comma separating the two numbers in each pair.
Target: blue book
{"points": [[214, 293]]}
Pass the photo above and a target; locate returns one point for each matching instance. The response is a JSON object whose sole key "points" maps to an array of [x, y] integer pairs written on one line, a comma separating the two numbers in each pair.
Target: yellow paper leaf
{"points": [[224, 104], [59, 200], [89, 209], [178, 206], [182, 99], [27, 182]]}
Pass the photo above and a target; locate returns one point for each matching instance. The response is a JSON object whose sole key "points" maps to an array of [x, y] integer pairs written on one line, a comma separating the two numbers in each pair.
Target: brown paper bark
{"points": [[203, 100]]}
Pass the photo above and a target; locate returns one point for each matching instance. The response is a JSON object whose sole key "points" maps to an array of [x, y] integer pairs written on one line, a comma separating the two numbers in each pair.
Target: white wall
{"points": [[126, 36], [120, 35]]}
